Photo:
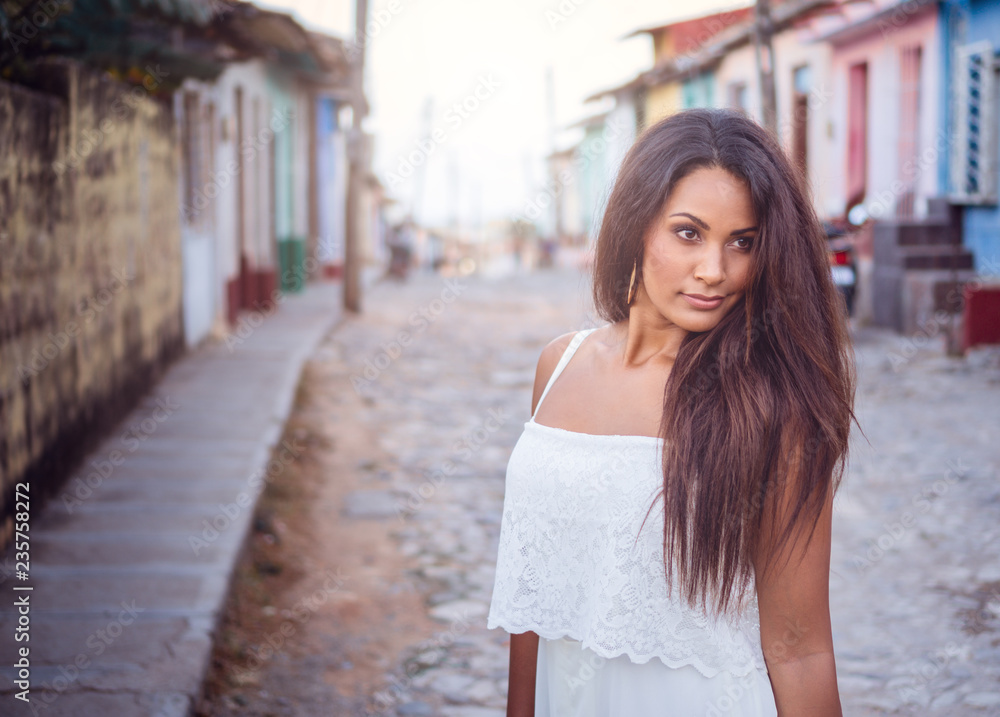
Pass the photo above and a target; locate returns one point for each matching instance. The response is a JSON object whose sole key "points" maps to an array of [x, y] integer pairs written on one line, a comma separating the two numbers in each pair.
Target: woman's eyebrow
{"points": [[705, 226], [693, 218]]}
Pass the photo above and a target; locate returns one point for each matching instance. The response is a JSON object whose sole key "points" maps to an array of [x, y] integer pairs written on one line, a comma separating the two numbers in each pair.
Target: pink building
{"points": [[886, 115]]}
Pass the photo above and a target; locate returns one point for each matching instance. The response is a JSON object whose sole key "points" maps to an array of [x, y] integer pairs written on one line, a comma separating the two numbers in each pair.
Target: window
{"points": [[857, 134], [697, 91], [738, 99], [973, 170], [801, 87]]}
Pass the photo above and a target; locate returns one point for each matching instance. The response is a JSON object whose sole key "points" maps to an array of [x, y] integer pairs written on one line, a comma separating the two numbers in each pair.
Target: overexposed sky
{"points": [[441, 54]]}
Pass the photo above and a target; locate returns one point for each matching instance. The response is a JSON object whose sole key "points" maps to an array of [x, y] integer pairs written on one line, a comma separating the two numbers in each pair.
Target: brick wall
{"points": [[90, 267]]}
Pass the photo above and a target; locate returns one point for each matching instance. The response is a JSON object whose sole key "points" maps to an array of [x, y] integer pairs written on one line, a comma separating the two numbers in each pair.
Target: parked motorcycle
{"points": [[843, 266]]}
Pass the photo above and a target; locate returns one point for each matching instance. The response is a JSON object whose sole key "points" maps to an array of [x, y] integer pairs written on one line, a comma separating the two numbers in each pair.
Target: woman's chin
{"points": [[693, 320]]}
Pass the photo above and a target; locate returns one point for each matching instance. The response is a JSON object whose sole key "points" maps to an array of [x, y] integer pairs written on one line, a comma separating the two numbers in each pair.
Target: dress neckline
{"points": [[581, 435], [574, 344]]}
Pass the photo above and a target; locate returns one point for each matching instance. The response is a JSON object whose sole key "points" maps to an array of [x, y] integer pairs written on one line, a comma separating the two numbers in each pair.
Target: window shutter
{"points": [[974, 156]]}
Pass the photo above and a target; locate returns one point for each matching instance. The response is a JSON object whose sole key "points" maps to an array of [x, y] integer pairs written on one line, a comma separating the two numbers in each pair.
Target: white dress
{"points": [[577, 566]]}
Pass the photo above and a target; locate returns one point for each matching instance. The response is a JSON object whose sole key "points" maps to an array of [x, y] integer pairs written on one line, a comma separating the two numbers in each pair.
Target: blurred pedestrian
{"points": [[401, 249]]}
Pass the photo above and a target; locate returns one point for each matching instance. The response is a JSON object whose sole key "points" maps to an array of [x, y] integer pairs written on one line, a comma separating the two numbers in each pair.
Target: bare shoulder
{"points": [[550, 356]]}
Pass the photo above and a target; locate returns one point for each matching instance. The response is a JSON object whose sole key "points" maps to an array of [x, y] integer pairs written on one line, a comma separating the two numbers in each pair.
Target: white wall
{"points": [[882, 52], [304, 110], [333, 199], [622, 120], [740, 65], [791, 52], [221, 257], [199, 300]]}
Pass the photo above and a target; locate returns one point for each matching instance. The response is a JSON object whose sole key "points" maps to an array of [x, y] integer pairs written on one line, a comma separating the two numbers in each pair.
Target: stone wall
{"points": [[90, 267]]}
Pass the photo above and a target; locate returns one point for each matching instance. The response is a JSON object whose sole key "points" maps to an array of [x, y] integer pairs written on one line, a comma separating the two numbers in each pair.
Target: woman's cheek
{"points": [[656, 259]]}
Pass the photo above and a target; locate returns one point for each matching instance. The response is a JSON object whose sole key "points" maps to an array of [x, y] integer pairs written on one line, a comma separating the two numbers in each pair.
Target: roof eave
{"points": [[866, 25]]}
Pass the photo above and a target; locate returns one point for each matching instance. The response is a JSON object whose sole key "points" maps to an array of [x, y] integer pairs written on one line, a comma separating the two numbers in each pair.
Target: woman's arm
{"points": [[794, 601], [521, 680]]}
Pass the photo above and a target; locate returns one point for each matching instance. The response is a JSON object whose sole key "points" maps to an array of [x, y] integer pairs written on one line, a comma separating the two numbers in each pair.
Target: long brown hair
{"points": [[763, 401]]}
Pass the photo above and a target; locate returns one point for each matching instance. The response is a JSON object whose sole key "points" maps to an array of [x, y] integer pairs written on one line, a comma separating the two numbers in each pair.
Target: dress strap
{"points": [[574, 343]]}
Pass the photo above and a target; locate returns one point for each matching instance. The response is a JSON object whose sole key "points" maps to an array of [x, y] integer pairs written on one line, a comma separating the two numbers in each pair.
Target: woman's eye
{"points": [[748, 242], [684, 231]]}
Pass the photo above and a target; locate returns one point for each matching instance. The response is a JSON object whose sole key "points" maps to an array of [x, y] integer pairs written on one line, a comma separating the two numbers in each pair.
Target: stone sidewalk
{"points": [[130, 564]]}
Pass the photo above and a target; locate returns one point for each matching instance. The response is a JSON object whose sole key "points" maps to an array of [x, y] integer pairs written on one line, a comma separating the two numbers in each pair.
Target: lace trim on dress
{"points": [[573, 562]]}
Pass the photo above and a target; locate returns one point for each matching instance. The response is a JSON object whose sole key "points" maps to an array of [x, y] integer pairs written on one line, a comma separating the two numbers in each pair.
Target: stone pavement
{"points": [[131, 563], [915, 570], [915, 573]]}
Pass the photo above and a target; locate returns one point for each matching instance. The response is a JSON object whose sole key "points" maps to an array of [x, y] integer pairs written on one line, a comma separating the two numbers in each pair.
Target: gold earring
{"points": [[631, 284]]}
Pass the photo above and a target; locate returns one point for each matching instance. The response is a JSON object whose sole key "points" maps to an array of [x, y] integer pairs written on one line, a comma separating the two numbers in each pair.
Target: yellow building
{"points": [[668, 86]]}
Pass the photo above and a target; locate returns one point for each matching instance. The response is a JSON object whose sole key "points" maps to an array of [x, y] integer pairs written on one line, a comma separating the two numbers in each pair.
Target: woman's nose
{"points": [[710, 267]]}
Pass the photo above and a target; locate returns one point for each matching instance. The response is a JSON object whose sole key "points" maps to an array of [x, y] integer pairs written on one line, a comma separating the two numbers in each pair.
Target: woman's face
{"points": [[699, 245]]}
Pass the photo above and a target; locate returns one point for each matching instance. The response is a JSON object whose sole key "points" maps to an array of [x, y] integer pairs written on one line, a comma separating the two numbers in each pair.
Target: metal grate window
{"points": [[974, 156]]}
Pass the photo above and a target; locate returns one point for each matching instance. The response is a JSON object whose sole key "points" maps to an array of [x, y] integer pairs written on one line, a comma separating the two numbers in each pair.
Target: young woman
{"points": [[665, 544]]}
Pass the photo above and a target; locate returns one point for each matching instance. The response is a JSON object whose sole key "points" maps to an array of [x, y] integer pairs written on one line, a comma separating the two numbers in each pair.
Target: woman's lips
{"points": [[700, 303]]}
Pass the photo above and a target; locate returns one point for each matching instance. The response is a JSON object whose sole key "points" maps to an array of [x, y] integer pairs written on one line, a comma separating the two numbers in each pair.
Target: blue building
{"points": [[331, 172], [972, 172]]}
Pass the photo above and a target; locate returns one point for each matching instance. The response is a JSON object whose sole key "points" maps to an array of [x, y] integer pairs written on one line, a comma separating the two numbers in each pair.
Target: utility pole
{"points": [[420, 173], [550, 92], [763, 31], [454, 187], [357, 164]]}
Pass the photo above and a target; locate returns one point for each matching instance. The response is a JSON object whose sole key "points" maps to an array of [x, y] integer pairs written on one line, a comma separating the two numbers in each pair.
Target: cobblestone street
{"points": [[275, 281], [442, 371]]}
